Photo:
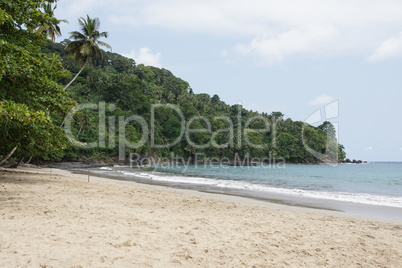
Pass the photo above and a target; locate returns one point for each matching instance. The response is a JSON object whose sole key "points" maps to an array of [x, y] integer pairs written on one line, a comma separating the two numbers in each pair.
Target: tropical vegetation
{"points": [[144, 108], [51, 29], [86, 44], [145, 91], [29, 90]]}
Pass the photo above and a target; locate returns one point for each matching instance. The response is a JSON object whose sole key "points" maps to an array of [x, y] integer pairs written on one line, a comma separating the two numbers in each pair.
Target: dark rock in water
{"points": [[354, 161]]}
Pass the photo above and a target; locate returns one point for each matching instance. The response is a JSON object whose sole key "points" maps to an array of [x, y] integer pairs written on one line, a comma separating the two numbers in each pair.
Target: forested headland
{"points": [[179, 121]]}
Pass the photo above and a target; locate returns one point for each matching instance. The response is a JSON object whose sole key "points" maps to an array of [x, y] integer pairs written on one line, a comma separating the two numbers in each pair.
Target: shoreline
{"points": [[360, 209], [278, 201], [54, 218]]}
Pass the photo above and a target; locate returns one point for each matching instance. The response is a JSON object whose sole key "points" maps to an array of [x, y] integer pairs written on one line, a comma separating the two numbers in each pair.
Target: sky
{"points": [[293, 56]]}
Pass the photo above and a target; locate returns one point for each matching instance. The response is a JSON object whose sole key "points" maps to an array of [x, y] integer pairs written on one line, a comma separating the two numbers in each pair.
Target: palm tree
{"points": [[86, 43], [52, 30]]}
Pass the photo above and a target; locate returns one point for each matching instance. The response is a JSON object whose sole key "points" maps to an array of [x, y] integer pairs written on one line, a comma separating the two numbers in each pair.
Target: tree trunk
{"points": [[29, 160], [5, 158], [19, 162], [75, 77]]}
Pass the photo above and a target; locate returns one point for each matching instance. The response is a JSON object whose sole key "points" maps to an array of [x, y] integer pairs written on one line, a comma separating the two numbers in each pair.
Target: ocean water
{"points": [[372, 184]]}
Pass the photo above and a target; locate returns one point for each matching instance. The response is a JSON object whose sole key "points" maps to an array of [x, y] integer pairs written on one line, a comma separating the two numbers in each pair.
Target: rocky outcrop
{"points": [[354, 161]]}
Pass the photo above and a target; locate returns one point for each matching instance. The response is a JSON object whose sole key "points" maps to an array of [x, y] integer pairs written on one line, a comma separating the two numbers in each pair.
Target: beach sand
{"points": [[61, 220]]}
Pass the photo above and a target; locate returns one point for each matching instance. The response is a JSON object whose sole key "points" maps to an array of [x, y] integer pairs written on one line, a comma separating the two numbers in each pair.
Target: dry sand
{"points": [[61, 220]]}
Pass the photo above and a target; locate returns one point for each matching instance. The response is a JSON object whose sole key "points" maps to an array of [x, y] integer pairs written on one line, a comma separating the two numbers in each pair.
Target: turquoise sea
{"points": [[372, 188]]}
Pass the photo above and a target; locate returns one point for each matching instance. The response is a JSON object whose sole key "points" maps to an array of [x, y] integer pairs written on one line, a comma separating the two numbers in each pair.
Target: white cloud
{"points": [[146, 57], [390, 48], [252, 17], [400, 149], [267, 29], [79, 8], [321, 100], [369, 148], [273, 50]]}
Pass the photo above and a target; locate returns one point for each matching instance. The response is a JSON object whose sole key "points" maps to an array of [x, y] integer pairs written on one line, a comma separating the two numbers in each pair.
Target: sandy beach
{"points": [[51, 218]]}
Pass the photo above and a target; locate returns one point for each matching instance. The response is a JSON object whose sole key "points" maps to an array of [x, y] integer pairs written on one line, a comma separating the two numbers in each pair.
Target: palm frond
{"points": [[51, 28], [86, 41], [77, 36], [104, 44]]}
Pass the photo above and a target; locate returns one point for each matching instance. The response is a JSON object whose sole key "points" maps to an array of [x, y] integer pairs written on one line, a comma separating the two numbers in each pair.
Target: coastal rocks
{"points": [[139, 161], [354, 161], [82, 163], [74, 165]]}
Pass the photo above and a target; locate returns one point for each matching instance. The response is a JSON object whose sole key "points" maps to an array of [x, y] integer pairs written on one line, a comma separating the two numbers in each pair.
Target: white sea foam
{"points": [[369, 199], [106, 168]]}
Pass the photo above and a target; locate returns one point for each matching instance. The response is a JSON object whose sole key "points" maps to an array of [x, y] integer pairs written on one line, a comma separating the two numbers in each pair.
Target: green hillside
{"points": [[115, 108], [195, 123]]}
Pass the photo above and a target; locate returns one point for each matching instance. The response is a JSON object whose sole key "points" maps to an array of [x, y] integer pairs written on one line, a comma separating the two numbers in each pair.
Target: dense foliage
{"points": [[29, 91], [215, 129], [121, 107]]}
